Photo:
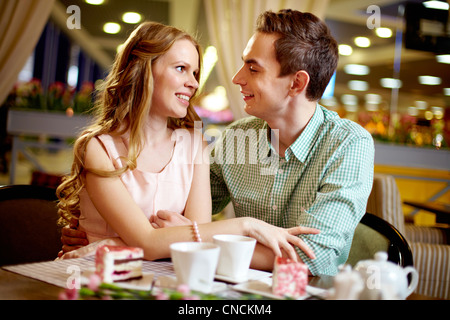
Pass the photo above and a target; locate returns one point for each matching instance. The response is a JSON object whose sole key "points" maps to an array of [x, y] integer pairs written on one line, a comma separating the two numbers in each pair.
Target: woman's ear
{"points": [[300, 83]]}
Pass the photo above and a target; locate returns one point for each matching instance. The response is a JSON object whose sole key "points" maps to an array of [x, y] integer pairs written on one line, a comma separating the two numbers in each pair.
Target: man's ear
{"points": [[300, 82]]}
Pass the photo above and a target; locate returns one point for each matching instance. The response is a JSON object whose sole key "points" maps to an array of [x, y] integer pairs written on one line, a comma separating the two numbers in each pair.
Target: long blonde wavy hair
{"points": [[123, 105]]}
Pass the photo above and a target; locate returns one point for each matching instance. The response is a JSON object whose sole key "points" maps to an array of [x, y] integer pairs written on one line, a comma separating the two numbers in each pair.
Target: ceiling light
{"points": [[210, 58], [372, 107], [438, 112], [216, 101], [356, 69], [111, 27], [421, 105], [412, 111], [373, 98], [436, 5], [443, 58], [329, 102], [131, 17], [345, 50], [373, 102], [391, 83], [350, 108], [383, 32], [349, 99], [95, 2], [447, 91], [72, 76], [362, 42], [430, 80], [358, 85]]}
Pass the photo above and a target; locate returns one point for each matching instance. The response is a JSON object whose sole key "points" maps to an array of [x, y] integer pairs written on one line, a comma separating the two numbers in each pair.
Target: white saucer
{"points": [[169, 282], [251, 275], [263, 287]]}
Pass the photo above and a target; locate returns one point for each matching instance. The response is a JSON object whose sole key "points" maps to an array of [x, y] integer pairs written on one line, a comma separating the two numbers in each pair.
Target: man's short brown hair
{"points": [[305, 43]]}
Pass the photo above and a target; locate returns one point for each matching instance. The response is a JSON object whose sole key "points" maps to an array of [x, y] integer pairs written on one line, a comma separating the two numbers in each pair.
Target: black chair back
{"points": [[374, 234], [28, 224]]}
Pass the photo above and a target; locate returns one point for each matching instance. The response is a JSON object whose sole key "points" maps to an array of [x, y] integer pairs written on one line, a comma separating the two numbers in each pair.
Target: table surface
{"points": [[14, 286]]}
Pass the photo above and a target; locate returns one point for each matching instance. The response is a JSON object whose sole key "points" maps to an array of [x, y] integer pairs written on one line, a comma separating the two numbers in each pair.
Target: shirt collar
{"points": [[301, 147], [307, 139]]}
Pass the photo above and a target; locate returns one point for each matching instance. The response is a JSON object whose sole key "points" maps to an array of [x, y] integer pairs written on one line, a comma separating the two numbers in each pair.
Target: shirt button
{"points": [[274, 207]]}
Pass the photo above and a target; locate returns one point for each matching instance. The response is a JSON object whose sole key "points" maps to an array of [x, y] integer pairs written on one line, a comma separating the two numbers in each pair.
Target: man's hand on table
{"points": [[72, 238], [164, 219]]}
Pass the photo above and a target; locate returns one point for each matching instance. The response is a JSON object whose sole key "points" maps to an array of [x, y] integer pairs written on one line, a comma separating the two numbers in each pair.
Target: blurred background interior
{"points": [[393, 77]]}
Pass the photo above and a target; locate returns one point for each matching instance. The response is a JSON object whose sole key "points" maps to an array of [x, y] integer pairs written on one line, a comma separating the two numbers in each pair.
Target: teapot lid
{"points": [[380, 260], [381, 256]]}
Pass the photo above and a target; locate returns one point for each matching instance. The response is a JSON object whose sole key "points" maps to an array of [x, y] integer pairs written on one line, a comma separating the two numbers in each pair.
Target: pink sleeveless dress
{"points": [[166, 190]]}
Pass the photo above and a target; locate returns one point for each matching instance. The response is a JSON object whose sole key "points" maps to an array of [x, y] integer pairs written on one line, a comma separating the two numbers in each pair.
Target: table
{"points": [[15, 286], [442, 210]]}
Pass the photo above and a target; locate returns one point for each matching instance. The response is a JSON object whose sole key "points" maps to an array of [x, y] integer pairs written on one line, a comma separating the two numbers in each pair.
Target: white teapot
{"points": [[386, 280]]}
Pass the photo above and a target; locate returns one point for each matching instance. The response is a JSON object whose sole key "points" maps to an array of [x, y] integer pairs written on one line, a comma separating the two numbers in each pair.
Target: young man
{"points": [[294, 162], [314, 169]]}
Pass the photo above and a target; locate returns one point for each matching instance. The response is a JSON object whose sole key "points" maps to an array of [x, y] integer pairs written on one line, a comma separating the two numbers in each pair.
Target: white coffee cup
{"points": [[236, 253], [195, 264]]}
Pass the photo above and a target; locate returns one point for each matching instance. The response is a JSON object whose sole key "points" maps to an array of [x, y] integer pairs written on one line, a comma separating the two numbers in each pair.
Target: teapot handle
{"points": [[414, 279]]}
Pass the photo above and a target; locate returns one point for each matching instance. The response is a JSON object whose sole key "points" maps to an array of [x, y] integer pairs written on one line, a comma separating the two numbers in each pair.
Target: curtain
{"points": [[231, 23], [21, 24]]}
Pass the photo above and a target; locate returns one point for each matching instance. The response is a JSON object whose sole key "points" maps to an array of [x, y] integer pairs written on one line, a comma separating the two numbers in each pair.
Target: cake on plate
{"points": [[289, 278], [116, 263]]}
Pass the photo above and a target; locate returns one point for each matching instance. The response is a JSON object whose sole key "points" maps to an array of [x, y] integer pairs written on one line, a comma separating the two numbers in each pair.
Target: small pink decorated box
{"points": [[289, 278]]}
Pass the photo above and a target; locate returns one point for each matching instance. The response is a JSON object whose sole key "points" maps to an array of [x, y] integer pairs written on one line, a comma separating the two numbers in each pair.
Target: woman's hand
{"points": [[278, 239]]}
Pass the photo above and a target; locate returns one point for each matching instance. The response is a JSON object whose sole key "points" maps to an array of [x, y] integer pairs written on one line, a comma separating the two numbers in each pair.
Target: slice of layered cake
{"points": [[289, 278], [115, 263]]}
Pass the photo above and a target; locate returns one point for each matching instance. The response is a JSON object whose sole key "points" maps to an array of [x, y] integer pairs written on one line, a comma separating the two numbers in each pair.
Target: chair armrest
{"points": [[432, 262], [430, 235]]}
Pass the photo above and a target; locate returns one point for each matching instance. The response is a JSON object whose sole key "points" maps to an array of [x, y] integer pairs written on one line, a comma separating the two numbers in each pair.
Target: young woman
{"points": [[143, 155]]}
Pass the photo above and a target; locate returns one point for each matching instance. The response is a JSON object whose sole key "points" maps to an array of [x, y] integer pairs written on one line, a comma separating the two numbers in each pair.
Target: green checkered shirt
{"points": [[323, 181]]}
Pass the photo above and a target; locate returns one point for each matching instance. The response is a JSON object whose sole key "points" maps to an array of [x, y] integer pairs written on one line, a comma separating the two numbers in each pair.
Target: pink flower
{"points": [[193, 297], [162, 296], [69, 294], [184, 289], [94, 282]]}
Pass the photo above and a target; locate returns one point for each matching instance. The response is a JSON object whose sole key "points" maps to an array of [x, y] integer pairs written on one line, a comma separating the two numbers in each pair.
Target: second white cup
{"points": [[236, 254]]}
